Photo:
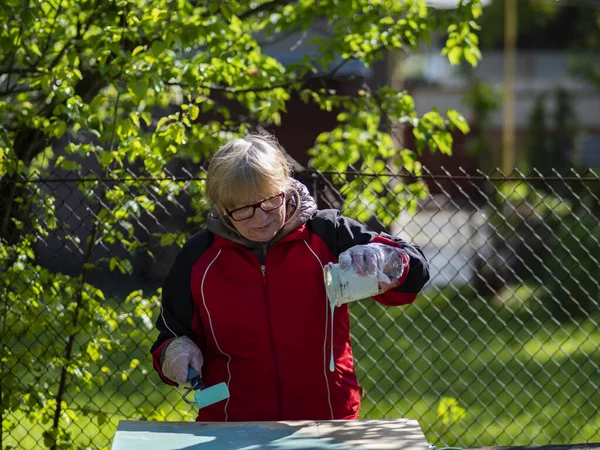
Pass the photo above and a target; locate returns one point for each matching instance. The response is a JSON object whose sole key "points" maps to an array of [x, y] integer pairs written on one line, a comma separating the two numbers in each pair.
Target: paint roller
{"points": [[204, 397]]}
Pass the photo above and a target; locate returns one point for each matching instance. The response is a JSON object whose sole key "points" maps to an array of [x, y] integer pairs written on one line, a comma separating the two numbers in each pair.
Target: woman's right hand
{"points": [[180, 354]]}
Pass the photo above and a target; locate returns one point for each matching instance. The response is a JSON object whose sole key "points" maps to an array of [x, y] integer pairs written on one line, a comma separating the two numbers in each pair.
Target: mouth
{"points": [[263, 228]]}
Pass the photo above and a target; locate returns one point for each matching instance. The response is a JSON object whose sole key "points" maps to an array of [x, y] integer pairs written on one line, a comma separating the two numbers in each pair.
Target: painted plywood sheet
{"points": [[399, 434]]}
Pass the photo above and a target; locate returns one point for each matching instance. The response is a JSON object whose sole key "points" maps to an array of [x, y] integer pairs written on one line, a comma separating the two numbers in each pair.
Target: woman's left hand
{"points": [[388, 263], [364, 257]]}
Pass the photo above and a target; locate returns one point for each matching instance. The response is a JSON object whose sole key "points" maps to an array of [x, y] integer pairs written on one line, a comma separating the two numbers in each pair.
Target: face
{"points": [[263, 225]]}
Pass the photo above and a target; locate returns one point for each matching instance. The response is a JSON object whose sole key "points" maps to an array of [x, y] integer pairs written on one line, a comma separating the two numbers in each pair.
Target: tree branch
{"points": [[14, 53], [19, 71], [263, 7], [7, 92], [47, 46], [286, 84]]}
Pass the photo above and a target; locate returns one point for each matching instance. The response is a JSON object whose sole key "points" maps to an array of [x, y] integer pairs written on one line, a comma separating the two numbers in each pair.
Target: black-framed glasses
{"points": [[246, 212]]}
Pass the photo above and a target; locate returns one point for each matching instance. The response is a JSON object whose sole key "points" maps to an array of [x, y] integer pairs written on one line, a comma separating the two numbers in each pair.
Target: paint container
{"points": [[345, 285]]}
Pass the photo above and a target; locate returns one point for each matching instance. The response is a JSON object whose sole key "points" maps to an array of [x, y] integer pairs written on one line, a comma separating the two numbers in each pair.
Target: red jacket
{"points": [[264, 327]]}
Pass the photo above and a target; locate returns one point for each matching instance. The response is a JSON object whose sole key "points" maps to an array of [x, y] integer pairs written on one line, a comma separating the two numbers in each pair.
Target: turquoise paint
{"points": [[174, 436], [211, 395], [399, 434], [205, 396]]}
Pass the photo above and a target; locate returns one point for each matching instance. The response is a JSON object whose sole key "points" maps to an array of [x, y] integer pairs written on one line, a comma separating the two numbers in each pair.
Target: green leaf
{"points": [[139, 88], [35, 49], [105, 157], [458, 120], [138, 49], [455, 55], [450, 411], [93, 350], [133, 295], [125, 266], [70, 165], [135, 119], [60, 128], [472, 55], [443, 140], [102, 418], [161, 122], [194, 112]]}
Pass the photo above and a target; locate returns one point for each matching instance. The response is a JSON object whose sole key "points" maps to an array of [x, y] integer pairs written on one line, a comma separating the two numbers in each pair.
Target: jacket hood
{"points": [[300, 206]]}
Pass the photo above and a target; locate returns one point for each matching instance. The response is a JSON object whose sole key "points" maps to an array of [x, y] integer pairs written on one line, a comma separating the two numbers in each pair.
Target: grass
{"points": [[141, 397], [515, 376], [473, 373]]}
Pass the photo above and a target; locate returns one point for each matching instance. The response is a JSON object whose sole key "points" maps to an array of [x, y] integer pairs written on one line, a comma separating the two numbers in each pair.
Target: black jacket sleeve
{"points": [[340, 233], [177, 305]]}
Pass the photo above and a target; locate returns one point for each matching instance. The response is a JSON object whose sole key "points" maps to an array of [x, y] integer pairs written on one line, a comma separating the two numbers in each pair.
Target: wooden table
{"points": [[395, 434]]}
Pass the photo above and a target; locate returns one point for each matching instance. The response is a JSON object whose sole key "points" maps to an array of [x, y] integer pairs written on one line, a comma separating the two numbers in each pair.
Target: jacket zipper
{"points": [[263, 269]]}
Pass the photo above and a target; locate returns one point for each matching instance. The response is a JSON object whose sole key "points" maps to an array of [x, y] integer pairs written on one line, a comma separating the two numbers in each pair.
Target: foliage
{"points": [[584, 67], [571, 260], [58, 331], [483, 100], [97, 74], [549, 240], [450, 411], [542, 25], [551, 140], [113, 86]]}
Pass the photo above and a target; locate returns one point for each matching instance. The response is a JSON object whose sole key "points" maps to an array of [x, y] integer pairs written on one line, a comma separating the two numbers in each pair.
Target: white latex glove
{"points": [[180, 354], [386, 262], [365, 259]]}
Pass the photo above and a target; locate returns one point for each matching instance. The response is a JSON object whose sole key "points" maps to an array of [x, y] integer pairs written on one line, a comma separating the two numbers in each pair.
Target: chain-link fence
{"points": [[500, 349]]}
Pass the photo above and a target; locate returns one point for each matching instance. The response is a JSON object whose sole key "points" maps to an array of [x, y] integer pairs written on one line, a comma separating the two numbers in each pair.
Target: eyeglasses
{"points": [[246, 212]]}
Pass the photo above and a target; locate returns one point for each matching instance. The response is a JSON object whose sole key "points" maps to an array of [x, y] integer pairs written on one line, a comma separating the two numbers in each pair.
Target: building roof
{"points": [[290, 48]]}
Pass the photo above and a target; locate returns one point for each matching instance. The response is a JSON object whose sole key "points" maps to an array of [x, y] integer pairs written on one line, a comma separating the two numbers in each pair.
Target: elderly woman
{"points": [[245, 301]]}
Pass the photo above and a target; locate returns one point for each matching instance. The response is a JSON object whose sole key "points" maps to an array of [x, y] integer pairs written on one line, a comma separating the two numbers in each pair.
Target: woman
{"points": [[245, 301]]}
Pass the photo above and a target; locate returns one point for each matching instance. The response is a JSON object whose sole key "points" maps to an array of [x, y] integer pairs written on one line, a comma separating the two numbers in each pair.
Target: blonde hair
{"points": [[252, 166]]}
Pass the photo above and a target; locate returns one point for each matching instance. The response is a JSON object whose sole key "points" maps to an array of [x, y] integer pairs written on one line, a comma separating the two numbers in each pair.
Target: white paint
{"points": [[346, 285]]}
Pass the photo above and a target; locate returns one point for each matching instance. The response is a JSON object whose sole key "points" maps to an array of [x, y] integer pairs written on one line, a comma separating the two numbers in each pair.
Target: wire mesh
{"points": [[499, 349]]}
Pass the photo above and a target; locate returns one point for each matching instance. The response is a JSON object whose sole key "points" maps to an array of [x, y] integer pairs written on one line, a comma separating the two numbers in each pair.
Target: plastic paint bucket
{"points": [[345, 286]]}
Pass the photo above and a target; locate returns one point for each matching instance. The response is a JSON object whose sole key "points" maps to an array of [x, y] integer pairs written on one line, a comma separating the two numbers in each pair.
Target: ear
{"points": [[220, 212]]}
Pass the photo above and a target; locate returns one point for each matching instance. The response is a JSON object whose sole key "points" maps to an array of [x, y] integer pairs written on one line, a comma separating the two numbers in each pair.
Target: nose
{"points": [[260, 215]]}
